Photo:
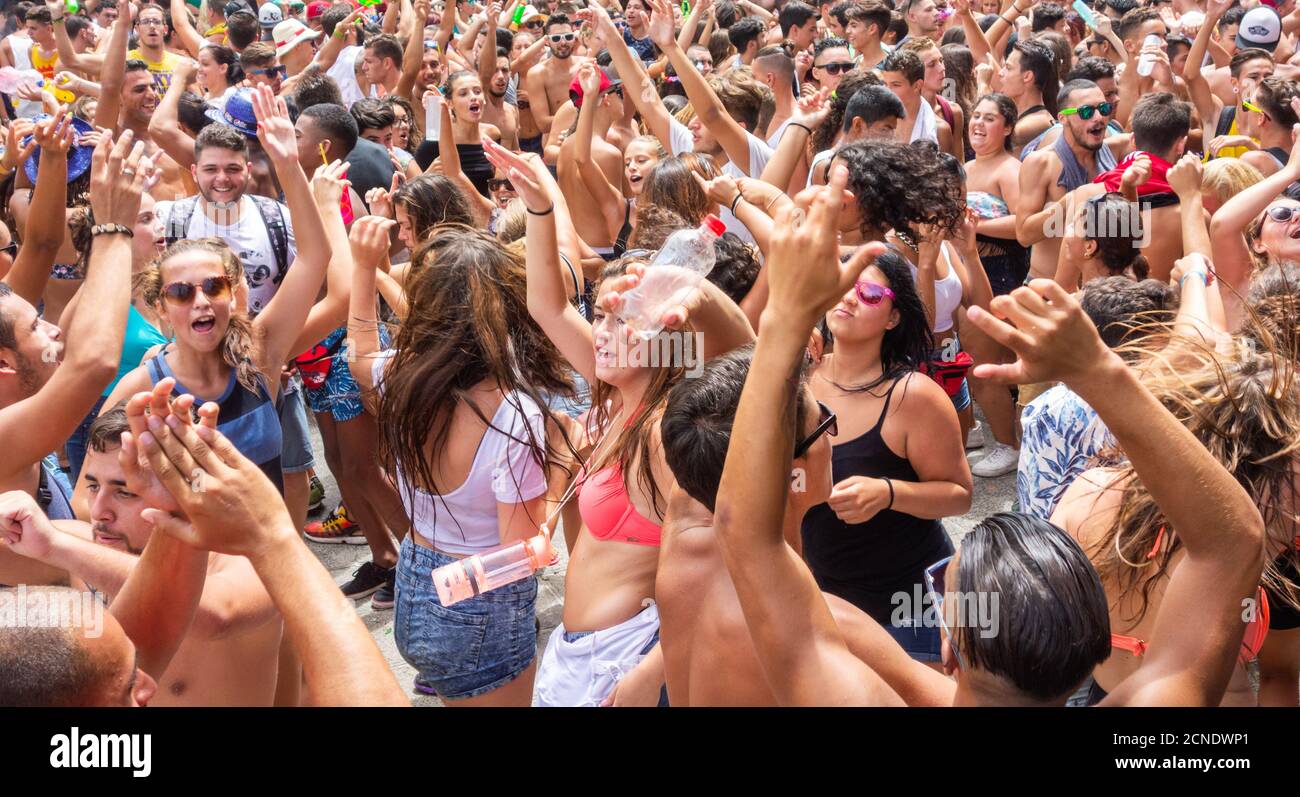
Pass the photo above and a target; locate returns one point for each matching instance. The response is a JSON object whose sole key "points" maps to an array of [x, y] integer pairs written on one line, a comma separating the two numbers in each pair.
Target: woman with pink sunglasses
{"points": [[898, 461]]}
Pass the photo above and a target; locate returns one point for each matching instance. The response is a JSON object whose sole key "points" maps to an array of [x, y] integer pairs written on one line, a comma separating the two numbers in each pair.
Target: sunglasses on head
{"points": [[827, 424], [181, 293], [1086, 112], [556, 38], [869, 293], [836, 67], [500, 184], [936, 576]]}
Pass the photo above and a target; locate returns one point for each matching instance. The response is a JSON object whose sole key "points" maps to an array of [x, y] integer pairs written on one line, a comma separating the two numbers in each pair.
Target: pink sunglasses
{"points": [[869, 293]]}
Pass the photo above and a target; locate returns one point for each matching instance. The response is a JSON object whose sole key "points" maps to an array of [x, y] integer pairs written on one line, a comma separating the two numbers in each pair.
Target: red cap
{"points": [[714, 223], [314, 10], [575, 88]]}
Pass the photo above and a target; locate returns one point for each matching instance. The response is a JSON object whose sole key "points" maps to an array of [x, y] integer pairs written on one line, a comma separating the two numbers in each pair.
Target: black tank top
{"points": [[868, 563], [472, 162]]}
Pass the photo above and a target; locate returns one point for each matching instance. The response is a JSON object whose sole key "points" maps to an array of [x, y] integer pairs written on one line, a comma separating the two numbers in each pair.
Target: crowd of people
{"points": [[1066, 236]]}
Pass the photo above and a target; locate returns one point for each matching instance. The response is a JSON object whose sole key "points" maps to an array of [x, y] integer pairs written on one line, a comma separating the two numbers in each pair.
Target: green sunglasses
{"points": [[1086, 112]]}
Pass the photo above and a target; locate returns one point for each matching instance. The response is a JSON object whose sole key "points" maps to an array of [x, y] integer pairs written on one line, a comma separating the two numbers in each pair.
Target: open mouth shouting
{"points": [[204, 324]]}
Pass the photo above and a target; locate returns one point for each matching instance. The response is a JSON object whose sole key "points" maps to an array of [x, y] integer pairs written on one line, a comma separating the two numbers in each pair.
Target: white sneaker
{"points": [[975, 437], [1001, 460]]}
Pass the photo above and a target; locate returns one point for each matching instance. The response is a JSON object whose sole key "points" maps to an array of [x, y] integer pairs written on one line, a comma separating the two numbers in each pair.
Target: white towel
{"points": [[925, 126]]}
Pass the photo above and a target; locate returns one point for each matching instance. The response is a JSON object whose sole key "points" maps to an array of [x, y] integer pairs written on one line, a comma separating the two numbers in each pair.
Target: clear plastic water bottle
{"points": [[686, 258], [484, 572], [11, 79], [1148, 62]]}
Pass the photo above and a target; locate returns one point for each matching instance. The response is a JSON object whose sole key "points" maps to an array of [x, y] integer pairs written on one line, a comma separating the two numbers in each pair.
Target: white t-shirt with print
{"points": [[251, 242]]}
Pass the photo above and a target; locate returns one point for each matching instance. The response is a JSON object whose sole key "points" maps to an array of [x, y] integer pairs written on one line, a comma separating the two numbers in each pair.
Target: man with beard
{"points": [[230, 655], [494, 74], [150, 31], [47, 388], [1050, 174], [548, 82]]}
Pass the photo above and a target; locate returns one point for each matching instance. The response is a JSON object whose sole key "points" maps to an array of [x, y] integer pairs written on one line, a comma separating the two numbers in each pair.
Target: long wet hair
{"points": [[431, 200], [1243, 405], [906, 346], [237, 344], [468, 322], [671, 185]]}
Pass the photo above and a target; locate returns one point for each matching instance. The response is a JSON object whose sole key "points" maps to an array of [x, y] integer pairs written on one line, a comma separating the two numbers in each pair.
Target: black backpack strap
{"points": [[178, 221], [276, 227]]}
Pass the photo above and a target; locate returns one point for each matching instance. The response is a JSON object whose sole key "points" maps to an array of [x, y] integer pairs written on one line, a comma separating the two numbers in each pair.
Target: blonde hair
{"points": [[1224, 178], [512, 224]]}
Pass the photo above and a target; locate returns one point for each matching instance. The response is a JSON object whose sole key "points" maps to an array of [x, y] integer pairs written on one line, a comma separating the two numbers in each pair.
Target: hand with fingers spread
{"points": [[329, 183], [140, 479], [55, 135], [274, 128], [370, 238], [16, 152], [805, 275], [589, 79], [812, 109], [527, 174], [118, 172], [1048, 330], [661, 27]]}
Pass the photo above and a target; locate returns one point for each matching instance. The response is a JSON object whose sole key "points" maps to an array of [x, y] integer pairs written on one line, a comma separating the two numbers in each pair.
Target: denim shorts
{"points": [[921, 642], [340, 396], [468, 649], [295, 450], [573, 406]]}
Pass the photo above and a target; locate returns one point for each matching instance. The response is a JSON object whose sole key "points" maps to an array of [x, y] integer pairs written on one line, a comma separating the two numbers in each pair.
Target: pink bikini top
{"points": [[608, 512]]}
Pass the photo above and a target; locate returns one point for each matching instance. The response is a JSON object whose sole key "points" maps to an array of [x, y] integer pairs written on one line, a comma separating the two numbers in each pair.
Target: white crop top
{"points": [[947, 295], [505, 470]]}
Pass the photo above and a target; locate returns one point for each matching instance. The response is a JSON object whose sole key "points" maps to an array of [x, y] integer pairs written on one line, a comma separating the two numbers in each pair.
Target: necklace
{"points": [[907, 240]]}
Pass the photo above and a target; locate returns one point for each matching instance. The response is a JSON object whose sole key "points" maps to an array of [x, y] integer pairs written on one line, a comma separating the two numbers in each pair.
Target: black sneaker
{"points": [[366, 580], [386, 595]]}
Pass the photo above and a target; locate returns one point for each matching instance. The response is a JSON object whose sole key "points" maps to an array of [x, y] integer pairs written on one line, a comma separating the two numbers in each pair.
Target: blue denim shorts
{"points": [[921, 642], [575, 406], [296, 454], [340, 396], [468, 649]]}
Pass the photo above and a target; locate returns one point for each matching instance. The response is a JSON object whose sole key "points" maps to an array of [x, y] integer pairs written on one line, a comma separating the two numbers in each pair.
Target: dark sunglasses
{"points": [[616, 91], [1086, 112], [869, 293], [500, 184], [279, 71], [1283, 213], [536, 24], [10, 249], [828, 425], [836, 67], [181, 293]]}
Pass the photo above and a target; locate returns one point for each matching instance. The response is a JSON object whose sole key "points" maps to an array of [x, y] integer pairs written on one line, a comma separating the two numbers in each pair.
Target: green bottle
{"points": [[519, 16], [71, 7]]}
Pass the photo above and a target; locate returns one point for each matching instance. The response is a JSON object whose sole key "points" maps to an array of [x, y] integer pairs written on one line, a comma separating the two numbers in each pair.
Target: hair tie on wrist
{"points": [[735, 202], [890, 484], [802, 126], [546, 212]]}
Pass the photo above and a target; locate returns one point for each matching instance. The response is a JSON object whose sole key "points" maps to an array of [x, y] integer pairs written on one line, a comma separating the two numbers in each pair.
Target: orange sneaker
{"points": [[335, 529]]}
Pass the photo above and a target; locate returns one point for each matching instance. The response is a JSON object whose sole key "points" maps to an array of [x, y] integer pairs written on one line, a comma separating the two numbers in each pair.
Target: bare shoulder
{"points": [[1089, 503], [917, 395]]}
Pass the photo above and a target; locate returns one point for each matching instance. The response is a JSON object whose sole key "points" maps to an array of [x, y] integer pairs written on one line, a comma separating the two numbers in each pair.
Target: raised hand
{"points": [[24, 527], [118, 172], [139, 478], [661, 24], [1138, 172], [274, 128], [1191, 263], [329, 183], [523, 171], [721, 189], [589, 78], [16, 152], [1047, 329], [805, 275], [370, 239], [55, 135], [1185, 176], [185, 70], [812, 109]]}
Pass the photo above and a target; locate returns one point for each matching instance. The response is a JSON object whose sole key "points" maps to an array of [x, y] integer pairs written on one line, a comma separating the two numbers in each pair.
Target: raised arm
{"points": [[692, 22], [68, 57], [1207, 107], [112, 69], [548, 298], [185, 31], [46, 219], [802, 651], [165, 126], [1197, 634], [607, 197], [793, 146], [41, 422], [282, 320], [708, 108], [368, 246], [238, 512], [637, 85], [329, 51], [413, 55], [331, 311]]}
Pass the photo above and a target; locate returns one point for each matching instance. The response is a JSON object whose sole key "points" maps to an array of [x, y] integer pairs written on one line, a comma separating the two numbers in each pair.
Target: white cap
{"points": [[270, 15], [289, 34], [1260, 27]]}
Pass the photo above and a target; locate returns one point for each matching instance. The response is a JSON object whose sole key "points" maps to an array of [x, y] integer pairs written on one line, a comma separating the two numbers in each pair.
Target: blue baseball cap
{"points": [[238, 112], [78, 157]]}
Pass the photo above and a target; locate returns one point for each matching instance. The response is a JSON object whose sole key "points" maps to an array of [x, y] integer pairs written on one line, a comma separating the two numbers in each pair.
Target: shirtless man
{"points": [[1028, 76], [231, 653], [494, 74], [607, 105], [810, 658], [1049, 175], [1223, 124], [548, 82], [47, 387]]}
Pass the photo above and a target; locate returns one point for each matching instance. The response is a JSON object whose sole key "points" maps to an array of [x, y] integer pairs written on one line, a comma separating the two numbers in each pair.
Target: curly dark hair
{"points": [[898, 185]]}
